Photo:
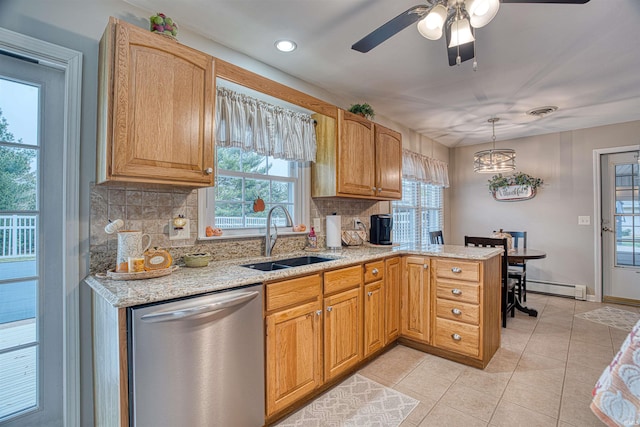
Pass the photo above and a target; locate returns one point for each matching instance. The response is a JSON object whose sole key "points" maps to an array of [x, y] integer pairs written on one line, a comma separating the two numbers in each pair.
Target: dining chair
{"points": [[436, 238], [508, 297], [518, 270]]}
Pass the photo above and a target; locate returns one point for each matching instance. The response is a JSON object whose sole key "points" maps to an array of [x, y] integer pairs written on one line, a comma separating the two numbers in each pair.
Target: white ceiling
{"points": [[585, 59]]}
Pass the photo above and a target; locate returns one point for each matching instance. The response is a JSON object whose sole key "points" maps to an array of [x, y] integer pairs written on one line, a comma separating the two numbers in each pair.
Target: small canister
{"points": [[157, 259]]}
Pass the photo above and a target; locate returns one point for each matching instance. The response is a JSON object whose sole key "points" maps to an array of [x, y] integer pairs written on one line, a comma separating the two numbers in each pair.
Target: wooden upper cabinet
{"points": [[156, 109], [356, 158], [388, 148], [356, 155]]}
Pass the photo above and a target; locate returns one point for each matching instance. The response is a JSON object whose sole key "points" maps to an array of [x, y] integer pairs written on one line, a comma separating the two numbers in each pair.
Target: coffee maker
{"points": [[380, 232]]}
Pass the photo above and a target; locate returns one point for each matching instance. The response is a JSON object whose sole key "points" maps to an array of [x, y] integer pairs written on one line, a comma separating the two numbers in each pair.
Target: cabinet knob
{"points": [[318, 312], [456, 337], [456, 270], [456, 311], [208, 171], [374, 271], [329, 308], [369, 293], [425, 266], [379, 189], [373, 189], [456, 291]]}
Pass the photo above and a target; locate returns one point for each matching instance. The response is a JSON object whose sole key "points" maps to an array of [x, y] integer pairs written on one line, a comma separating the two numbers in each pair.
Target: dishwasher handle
{"points": [[163, 316]]}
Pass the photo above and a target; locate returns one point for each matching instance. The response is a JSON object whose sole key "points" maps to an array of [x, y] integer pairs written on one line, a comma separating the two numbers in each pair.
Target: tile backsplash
{"points": [[151, 208]]}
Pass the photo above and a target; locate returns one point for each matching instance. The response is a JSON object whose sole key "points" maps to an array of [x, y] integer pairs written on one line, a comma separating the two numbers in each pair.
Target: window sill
{"points": [[250, 236]]}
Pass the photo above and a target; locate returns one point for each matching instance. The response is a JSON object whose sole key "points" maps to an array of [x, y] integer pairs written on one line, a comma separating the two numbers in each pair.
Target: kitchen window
{"points": [[243, 178], [419, 212]]}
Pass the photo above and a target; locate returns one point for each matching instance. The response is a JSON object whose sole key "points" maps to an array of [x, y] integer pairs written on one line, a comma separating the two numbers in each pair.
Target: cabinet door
{"points": [[415, 299], [388, 148], [356, 158], [163, 105], [392, 299], [342, 332], [374, 336], [293, 354]]}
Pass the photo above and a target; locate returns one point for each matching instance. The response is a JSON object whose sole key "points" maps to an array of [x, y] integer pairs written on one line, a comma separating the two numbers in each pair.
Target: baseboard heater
{"points": [[555, 288]]}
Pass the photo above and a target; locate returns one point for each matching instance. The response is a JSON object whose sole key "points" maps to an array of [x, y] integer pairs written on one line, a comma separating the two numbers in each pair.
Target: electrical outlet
{"points": [[317, 224], [179, 233], [584, 220]]}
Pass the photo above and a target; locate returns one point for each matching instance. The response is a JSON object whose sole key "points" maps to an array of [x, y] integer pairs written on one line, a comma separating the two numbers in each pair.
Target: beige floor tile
{"points": [[590, 354], [508, 414], [442, 367], [394, 365], [574, 408], [533, 396], [385, 382], [424, 385], [514, 339], [446, 416], [417, 415], [537, 362], [583, 374], [521, 322], [550, 380], [617, 338], [470, 402], [555, 346], [505, 360], [492, 383]]}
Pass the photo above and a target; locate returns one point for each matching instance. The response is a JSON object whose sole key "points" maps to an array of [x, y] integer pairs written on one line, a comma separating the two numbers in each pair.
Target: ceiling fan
{"points": [[457, 19]]}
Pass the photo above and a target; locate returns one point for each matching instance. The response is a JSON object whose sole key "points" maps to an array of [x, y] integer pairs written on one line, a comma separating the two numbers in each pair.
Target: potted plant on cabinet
{"points": [[363, 110]]}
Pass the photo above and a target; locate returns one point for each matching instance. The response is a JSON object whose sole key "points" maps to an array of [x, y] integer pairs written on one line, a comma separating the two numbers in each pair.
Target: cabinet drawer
{"points": [[340, 280], [458, 291], [458, 337], [458, 311], [294, 291], [455, 269], [373, 271]]}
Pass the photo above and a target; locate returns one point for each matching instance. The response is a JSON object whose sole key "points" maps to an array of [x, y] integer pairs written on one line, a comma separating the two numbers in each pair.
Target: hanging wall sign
{"points": [[513, 193], [513, 188]]}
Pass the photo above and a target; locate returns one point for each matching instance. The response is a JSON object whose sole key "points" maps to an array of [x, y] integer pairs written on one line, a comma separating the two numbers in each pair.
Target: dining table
{"points": [[521, 255]]}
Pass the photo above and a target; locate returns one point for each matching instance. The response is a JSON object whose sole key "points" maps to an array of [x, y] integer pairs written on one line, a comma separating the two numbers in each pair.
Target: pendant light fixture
{"points": [[494, 160]]}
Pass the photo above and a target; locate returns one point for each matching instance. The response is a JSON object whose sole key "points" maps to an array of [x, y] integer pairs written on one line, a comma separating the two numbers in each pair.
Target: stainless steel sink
{"points": [[287, 263]]}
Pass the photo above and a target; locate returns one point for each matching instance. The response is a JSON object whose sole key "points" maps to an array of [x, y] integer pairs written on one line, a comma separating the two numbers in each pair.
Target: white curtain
{"points": [[424, 169], [254, 125]]}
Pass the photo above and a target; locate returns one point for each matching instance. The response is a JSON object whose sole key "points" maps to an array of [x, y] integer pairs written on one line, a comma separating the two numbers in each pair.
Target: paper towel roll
{"points": [[334, 231]]}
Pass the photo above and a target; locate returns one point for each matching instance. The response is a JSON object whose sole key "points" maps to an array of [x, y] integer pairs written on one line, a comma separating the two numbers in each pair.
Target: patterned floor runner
{"points": [[613, 317], [356, 402]]}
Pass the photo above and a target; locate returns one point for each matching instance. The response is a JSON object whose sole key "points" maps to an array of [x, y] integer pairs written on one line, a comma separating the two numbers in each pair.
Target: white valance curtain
{"points": [[254, 125], [424, 169]]}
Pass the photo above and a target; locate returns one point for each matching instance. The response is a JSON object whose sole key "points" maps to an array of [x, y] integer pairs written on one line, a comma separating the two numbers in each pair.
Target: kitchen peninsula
{"points": [[344, 312]]}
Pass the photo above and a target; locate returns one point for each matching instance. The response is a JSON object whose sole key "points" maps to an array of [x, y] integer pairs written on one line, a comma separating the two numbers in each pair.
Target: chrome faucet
{"points": [[267, 240]]}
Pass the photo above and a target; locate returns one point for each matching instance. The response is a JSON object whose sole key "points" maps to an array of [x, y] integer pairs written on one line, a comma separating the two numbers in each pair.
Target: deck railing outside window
{"points": [[17, 236]]}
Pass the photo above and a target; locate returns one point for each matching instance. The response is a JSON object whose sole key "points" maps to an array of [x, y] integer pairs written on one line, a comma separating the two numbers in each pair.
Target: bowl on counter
{"points": [[197, 260]]}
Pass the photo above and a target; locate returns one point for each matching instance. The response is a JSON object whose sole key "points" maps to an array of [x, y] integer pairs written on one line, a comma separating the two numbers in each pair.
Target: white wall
{"points": [[565, 162]]}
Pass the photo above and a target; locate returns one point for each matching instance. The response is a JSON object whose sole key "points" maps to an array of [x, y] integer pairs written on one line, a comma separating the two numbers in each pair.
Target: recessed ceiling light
{"points": [[286, 45]]}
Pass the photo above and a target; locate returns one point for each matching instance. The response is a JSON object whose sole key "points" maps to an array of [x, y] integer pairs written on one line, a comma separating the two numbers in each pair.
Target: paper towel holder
{"points": [[333, 232]]}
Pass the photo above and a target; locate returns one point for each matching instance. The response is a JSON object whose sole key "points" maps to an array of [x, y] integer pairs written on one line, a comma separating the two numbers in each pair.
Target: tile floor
{"points": [[542, 375]]}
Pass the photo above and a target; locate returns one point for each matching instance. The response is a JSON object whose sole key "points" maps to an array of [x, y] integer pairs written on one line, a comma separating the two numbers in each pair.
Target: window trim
{"points": [[301, 215]]}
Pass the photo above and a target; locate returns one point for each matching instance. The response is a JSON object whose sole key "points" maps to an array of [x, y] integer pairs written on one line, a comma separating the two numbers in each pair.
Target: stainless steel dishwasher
{"points": [[198, 361]]}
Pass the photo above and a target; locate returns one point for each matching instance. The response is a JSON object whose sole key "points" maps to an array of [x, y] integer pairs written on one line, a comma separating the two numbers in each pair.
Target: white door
{"points": [[620, 227], [31, 235]]}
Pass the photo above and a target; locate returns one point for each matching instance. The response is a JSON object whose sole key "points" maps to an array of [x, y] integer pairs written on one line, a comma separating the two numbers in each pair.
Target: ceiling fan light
{"points": [[460, 32], [481, 12], [430, 26]]}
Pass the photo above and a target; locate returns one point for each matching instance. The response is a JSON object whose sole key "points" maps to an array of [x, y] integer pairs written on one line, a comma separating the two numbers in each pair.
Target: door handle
{"points": [[607, 229], [163, 316]]}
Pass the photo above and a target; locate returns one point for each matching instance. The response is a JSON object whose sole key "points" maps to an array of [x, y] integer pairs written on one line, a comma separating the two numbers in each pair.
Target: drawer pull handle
{"points": [[456, 337], [369, 293], [456, 291], [329, 308], [374, 271], [208, 171], [456, 270], [318, 312], [456, 311]]}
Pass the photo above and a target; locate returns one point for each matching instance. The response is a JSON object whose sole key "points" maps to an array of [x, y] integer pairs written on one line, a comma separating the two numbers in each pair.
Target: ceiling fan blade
{"points": [[390, 28], [546, 1]]}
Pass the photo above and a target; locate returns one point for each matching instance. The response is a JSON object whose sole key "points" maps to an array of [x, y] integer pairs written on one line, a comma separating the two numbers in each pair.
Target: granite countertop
{"points": [[220, 275]]}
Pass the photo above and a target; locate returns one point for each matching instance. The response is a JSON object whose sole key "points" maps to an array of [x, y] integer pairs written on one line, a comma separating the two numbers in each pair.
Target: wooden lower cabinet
{"points": [[294, 365], [415, 311], [342, 332], [392, 279], [374, 308]]}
